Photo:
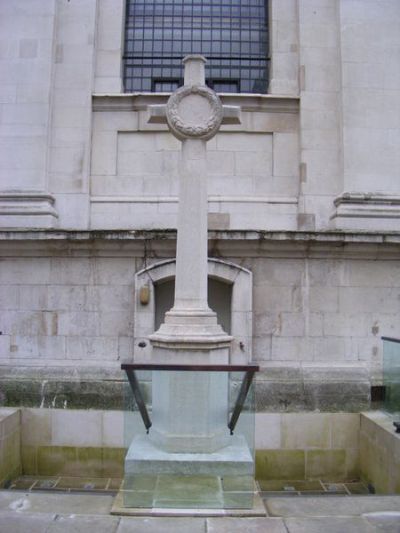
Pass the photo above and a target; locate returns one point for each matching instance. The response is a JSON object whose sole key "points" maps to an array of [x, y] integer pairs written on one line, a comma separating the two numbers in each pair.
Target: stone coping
{"points": [[377, 237]]}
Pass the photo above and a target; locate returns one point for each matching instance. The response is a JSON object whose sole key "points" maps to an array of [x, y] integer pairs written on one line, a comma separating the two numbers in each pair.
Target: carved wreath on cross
{"points": [[204, 130]]}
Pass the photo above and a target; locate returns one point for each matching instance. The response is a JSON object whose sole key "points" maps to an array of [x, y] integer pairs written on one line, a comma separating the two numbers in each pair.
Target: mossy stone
{"points": [[327, 465], [55, 460], [28, 460], [280, 464]]}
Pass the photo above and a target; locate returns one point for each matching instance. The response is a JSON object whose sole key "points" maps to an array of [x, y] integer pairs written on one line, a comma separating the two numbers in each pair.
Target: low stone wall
{"points": [[289, 446], [10, 438], [72, 442], [379, 453], [307, 446]]}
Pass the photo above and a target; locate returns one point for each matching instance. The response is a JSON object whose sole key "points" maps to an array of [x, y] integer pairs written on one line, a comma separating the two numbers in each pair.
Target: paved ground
{"points": [[43, 512]]}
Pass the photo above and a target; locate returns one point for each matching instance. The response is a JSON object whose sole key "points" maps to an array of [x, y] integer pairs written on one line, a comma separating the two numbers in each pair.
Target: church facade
{"points": [[304, 196]]}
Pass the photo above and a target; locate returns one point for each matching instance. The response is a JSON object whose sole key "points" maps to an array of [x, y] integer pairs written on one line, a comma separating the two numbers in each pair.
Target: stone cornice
{"points": [[266, 103], [230, 235]]}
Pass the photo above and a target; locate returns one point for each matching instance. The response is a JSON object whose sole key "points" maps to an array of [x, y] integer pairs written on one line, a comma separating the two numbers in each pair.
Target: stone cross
{"points": [[194, 114]]}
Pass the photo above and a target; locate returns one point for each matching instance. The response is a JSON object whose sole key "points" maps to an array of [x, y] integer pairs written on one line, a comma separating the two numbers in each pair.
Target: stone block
{"points": [[113, 429], [306, 431], [324, 299], [344, 325], [120, 121], [284, 35], [290, 325], [102, 348], [144, 457], [35, 427], [18, 270], [76, 428], [272, 298], [110, 24], [285, 154], [323, 35], [280, 464], [113, 462], [32, 297], [161, 525], [115, 323], [332, 523], [75, 271], [108, 63], [113, 271], [285, 71], [293, 349], [254, 163], [25, 114], [328, 465], [9, 297], [139, 163], [28, 459], [268, 431], [101, 297], [220, 163], [104, 153], [76, 323], [243, 143], [55, 460], [73, 210], [361, 300], [66, 297], [345, 428]]}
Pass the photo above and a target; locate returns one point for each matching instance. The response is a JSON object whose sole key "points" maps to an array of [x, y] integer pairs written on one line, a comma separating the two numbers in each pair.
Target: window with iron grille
{"points": [[231, 34]]}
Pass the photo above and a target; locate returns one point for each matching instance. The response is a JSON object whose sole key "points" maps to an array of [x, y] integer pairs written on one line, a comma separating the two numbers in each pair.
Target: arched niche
{"points": [[230, 295]]}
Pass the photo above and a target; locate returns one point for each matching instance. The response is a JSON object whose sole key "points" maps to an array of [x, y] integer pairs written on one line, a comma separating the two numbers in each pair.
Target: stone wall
{"points": [[317, 152], [10, 444], [292, 191], [68, 308], [307, 446], [380, 453]]}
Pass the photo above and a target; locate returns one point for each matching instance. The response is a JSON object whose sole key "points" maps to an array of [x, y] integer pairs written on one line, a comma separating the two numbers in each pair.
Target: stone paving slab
{"points": [[161, 525], [18, 522], [329, 524], [245, 525], [83, 513], [43, 502], [388, 522], [330, 506], [26, 522]]}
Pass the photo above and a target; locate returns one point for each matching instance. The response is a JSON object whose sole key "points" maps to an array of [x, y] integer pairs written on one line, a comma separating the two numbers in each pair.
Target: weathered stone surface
{"points": [[161, 525], [329, 525], [58, 503], [252, 525], [21, 522], [348, 505]]}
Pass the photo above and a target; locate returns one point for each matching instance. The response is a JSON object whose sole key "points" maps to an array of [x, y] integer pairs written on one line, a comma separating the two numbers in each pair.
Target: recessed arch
{"points": [[232, 284]]}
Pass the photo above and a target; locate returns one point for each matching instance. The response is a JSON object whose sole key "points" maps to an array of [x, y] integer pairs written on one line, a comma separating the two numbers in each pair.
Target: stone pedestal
{"points": [[219, 479]]}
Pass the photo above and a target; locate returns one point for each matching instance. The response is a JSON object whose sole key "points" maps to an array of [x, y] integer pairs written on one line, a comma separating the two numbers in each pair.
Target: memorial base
{"points": [[155, 478]]}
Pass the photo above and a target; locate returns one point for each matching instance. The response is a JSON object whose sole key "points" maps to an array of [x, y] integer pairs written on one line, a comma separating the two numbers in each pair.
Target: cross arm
{"points": [[232, 114], [157, 114]]}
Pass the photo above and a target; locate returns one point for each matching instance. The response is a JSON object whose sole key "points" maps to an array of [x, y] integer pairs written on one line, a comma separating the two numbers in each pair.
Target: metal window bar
{"points": [[249, 371], [232, 34]]}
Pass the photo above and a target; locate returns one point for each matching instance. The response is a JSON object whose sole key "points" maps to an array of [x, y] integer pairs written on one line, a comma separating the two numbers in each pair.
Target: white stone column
{"points": [[191, 254]]}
